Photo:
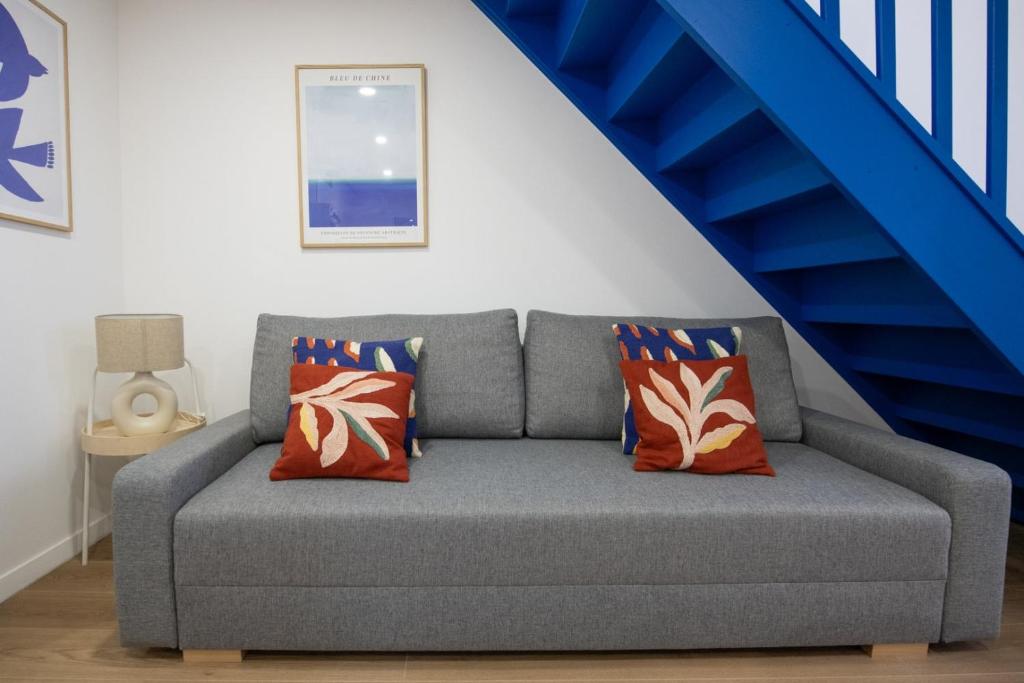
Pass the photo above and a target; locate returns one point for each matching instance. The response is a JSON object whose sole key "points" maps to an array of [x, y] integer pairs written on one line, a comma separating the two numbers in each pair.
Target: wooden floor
{"points": [[63, 628]]}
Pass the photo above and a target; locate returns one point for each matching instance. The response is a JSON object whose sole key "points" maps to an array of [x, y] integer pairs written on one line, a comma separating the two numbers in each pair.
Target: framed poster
{"points": [[362, 155], [35, 146]]}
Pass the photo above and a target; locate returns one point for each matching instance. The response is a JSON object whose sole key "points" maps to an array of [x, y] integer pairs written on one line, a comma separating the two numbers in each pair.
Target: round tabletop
{"points": [[106, 440]]}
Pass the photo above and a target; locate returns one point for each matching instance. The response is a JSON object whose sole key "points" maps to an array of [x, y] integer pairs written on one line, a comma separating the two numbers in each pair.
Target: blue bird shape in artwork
{"points": [[39, 154], [18, 64]]}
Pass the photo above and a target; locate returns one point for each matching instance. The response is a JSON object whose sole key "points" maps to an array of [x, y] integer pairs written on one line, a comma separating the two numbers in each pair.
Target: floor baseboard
{"points": [[35, 568]]}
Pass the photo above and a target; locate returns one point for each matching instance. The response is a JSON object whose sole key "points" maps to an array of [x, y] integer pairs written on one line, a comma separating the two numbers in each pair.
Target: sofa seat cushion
{"points": [[532, 512]]}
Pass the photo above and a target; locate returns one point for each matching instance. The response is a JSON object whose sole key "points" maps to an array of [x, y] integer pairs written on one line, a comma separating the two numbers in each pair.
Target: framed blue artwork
{"points": [[362, 155], [35, 164]]}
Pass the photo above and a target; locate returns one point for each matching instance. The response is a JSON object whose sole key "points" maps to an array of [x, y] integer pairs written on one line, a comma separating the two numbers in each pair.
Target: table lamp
{"points": [[143, 344]]}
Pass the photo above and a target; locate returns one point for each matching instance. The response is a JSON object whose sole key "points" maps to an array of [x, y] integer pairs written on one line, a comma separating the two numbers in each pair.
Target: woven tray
{"points": [[106, 440]]}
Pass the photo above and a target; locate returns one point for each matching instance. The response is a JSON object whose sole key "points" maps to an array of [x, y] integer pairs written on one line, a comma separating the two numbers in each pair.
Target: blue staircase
{"points": [[799, 165]]}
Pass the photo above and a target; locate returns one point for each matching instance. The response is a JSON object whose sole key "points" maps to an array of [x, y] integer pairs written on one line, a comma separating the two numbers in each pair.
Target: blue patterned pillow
{"points": [[640, 342], [399, 355]]}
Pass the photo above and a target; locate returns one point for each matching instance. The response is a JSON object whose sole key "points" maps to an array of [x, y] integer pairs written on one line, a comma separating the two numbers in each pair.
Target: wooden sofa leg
{"points": [[897, 650], [212, 656]]}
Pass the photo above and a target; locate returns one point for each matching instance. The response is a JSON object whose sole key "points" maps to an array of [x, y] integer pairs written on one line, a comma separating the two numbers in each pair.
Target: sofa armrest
{"points": [[976, 495], [147, 495]]}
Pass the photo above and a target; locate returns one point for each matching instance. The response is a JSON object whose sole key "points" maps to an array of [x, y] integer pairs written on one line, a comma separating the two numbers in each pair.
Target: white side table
{"points": [[106, 441], [103, 439]]}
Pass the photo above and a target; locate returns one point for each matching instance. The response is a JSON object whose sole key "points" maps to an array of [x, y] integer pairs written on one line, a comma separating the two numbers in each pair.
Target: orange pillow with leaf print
{"points": [[345, 423], [695, 415]]}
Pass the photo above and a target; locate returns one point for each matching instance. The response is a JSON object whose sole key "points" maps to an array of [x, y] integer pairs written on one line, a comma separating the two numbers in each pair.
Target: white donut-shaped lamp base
{"points": [[130, 424]]}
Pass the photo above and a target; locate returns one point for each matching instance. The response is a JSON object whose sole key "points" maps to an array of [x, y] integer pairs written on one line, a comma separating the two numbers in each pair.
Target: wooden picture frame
{"points": [[361, 136], [35, 121]]}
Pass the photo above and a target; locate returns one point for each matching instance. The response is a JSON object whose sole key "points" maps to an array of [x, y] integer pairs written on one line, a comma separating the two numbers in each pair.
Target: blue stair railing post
{"points": [[885, 44], [998, 83], [942, 74], [830, 15]]}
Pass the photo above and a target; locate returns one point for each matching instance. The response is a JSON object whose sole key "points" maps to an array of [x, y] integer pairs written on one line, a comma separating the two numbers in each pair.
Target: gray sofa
{"points": [[551, 541]]}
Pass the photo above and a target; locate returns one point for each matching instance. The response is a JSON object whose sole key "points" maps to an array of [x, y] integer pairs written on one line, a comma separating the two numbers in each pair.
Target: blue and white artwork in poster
{"points": [[362, 155], [35, 173]]}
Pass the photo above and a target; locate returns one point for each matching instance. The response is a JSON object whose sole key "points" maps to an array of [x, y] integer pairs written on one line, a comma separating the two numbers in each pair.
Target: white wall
{"points": [[857, 29], [914, 58], [530, 206], [970, 88], [51, 284]]}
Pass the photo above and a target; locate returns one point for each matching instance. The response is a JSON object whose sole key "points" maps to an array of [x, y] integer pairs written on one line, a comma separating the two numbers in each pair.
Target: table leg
{"points": [[85, 509]]}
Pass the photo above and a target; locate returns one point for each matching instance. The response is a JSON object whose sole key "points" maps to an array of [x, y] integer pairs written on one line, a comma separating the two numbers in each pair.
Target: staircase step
{"points": [[655, 62], [587, 28], [883, 314], [982, 414], [966, 378], [984, 429], [711, 120], [868, 247], [776, 190], [824, 233], [768, 175], [887, 292], [952, 356]]}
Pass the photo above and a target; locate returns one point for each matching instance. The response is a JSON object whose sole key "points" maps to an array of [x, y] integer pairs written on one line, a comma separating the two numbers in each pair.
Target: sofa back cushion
{"points": [[574, 389], [469, 380]]}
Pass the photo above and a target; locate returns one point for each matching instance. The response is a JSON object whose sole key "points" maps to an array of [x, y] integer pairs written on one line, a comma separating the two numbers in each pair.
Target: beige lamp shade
{"points": [[143, 342]]}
